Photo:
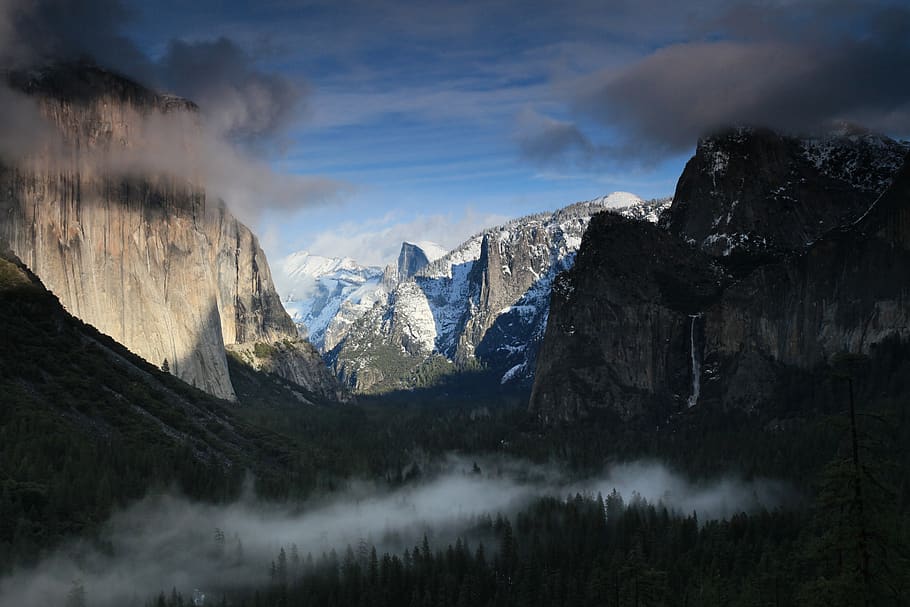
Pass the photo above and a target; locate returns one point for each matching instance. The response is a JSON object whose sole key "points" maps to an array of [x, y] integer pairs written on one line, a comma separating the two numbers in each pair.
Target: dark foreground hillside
{"points": [[86, 426]]}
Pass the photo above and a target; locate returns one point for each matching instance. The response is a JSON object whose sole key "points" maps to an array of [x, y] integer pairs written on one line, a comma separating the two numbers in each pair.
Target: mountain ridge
{"points": [[482, 305]]}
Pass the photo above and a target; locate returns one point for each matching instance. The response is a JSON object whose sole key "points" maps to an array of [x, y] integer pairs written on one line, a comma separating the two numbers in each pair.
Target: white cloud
{"points": [[378, 241]]}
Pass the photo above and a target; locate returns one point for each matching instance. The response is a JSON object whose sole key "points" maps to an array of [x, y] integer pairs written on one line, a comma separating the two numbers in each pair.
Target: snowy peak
{"points": [[620, 200], [303, 268], [324, 295], [483, 304], [415, 256], [431, 250]]}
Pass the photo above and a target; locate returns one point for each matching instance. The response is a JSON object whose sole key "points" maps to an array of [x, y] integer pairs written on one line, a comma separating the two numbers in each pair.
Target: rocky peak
{"points": [[83, 82], [645, 325], [411, 260], [752, 192]]}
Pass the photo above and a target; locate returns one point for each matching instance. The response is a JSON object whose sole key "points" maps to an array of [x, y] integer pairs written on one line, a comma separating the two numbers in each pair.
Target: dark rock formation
{"points": [[619, 331], [646, 324], [753, 195]]}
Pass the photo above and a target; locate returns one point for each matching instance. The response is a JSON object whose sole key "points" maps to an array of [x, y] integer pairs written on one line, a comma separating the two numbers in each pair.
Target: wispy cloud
{"points": [[378, 241]]}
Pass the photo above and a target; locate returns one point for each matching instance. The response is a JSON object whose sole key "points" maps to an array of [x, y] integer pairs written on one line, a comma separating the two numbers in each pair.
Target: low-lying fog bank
{"points": [[167, 541]]}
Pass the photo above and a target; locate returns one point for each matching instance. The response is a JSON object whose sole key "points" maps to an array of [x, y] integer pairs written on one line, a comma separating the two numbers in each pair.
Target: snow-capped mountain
{"points": [[485, 303], [326, 295]]}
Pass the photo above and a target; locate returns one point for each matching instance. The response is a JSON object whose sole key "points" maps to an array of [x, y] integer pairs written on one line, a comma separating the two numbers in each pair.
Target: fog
{"points": [[184, 145], [227, 147], [166, 541]]}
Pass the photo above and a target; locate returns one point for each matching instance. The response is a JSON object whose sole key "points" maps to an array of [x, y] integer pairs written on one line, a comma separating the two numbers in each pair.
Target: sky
{"points": [[373, 122]]}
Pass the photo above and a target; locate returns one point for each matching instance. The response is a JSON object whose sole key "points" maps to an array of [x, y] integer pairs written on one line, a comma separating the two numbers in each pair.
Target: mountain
{"points": [[326, 295], [87, 425], [416, 256], [148, 259], [652, 321], [483, 306], [752, 194]]}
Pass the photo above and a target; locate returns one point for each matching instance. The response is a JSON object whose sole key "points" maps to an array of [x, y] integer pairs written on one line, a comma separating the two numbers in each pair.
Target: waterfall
{"points": [[696, 364]]}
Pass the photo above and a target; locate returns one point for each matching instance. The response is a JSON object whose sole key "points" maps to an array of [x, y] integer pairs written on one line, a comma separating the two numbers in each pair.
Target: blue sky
{"points": [[417, 114], [431, 120]]}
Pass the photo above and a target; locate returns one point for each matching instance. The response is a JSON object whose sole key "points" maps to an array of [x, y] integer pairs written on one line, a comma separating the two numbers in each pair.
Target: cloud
{"points": [[167, 541], [238, 99], [39, 31], [23, 130], [243, 109], [378, 242], [544, 140], [793, 67]]}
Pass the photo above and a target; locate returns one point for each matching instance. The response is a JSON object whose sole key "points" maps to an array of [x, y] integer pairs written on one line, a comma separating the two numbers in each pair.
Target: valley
{"points": [[268, 344]]}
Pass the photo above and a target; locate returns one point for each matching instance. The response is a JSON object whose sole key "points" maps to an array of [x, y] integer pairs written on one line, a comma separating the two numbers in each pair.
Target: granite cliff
{"points": [[651, 321], [144, 256]]}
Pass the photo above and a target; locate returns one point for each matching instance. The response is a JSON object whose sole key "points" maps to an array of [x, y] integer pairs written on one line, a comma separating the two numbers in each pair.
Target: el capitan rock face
{"points": [[647, 324], [147, 259]]}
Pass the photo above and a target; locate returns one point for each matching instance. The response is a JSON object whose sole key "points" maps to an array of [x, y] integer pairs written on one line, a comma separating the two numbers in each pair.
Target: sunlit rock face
{"points": [[146, 258], [645, 308]]}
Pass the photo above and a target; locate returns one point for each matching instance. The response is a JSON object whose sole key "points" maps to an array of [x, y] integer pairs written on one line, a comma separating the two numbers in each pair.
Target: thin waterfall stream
{"points": [[696, 363]]}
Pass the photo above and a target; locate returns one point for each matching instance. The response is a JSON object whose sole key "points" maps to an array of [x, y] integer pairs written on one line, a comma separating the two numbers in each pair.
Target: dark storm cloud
{"points": [[37, 31], [218, 74], [794, 67], [241, 100], [543, 140], [240, 103]]}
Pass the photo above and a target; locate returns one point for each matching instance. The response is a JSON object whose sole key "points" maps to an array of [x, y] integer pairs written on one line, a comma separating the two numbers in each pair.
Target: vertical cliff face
{"points": [[847, 293], [652, 321], [145, 258], [752, 193], [621, 323], [411, 260]]}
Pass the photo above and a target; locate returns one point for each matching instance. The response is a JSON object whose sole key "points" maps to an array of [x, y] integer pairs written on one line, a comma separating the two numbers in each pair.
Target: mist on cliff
{"points": [[227, 147], [166, 541]]}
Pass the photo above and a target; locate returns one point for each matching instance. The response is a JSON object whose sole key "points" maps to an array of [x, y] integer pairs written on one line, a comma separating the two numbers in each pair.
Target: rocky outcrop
{"points": [[483, 305], [145, 258], [650, 322], [752, 195], [411, 260]]}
